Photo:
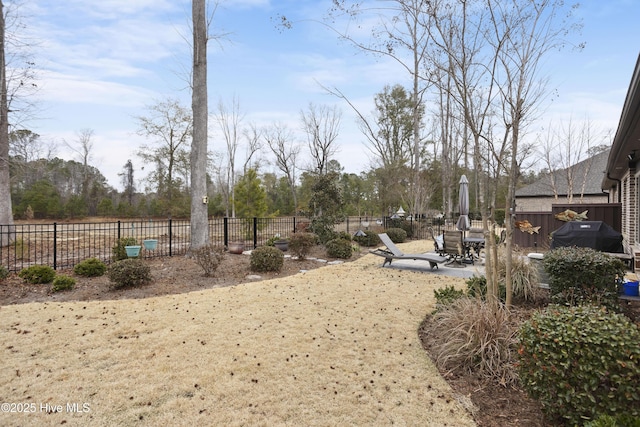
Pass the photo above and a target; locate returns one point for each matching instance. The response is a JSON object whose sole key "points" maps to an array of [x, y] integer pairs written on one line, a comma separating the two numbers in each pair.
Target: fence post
{"points": [[55, 245], [294, 225], [170, 237], [118, 229], [225, 231], [255, 232]]}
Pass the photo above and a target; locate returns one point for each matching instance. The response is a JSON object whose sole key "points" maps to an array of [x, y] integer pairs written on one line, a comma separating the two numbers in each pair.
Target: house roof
{"points": [[589, 171], [626, 144]]}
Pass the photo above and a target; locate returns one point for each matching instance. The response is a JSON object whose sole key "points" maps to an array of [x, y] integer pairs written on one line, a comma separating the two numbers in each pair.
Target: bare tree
{"points": [[229, 119], [522, 33], [82, 148], [321, 125], [6, 214], [170, 126], [281, 142], [253, 135], [563, 147], [199, 100]]}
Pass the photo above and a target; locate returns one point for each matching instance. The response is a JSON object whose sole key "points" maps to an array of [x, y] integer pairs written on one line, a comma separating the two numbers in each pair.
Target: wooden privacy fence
{"points": [[610, 213]]}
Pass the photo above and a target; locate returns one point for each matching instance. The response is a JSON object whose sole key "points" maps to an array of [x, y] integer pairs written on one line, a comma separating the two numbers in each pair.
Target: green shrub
{"points": [[404, 224], [369, 239], [581, 362], [339, 248], [477, 288], [37, 274], [118, 251], [4, 272], [620, 420], [397, 235], [475, 336], [129, 273], [63, 283], [90, 267], [209, 257], [344, 235], [301, 243], [583, 276], [446, 296], [266, 258]]}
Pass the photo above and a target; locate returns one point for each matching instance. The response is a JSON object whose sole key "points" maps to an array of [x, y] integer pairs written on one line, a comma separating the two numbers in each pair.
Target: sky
{"points": [[102, 63]]}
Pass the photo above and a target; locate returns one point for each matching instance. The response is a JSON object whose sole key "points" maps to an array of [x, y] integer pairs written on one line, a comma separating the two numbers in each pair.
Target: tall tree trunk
{"points": [[6, 214], [199, 199]]}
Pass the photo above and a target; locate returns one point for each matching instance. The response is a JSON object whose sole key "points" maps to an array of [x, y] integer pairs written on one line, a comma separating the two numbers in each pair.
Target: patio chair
{"points": [[438, 242], [453, 247], [393, 252]]}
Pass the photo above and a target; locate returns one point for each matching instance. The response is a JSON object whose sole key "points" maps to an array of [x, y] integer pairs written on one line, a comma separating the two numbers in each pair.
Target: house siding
{"points": [[544, 204]]}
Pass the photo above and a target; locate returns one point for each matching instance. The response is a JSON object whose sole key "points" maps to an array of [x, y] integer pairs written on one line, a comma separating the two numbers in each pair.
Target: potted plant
{"points": [[236, 247], [133, 251], [282, 244], [150, 244]]}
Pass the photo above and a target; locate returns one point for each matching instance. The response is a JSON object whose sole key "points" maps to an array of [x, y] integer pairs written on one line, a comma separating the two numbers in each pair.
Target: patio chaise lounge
{"points": [[393, 252]]}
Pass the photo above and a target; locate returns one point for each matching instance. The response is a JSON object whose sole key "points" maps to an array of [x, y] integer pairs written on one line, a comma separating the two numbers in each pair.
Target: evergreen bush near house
{"points": [[266, 258], [583, 276], [397, 235], [368, 240], [90, 267], [581, 362], [129, 273], [63, 283], [339, 248], [209, 257], [4, 272], [118, 251], [37, 274], [301, 243]]}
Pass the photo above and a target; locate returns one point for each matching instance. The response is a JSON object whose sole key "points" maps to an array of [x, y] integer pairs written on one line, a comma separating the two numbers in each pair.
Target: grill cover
{"points": [[588, 234]]}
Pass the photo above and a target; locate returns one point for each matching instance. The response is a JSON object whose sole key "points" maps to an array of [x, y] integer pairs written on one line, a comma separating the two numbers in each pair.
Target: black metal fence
{"points": [[63, 245]]}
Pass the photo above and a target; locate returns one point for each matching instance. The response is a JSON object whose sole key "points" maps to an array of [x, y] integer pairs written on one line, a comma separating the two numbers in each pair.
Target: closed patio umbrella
{"points": [[463, 221]]}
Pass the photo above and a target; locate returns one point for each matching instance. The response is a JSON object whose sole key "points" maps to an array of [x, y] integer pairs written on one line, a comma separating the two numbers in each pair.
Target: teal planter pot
{"points": [[133, 251], [150, 244]]}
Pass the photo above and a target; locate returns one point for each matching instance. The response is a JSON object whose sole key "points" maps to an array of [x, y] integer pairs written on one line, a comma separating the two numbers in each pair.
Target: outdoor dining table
{"points": [[473, 243]]}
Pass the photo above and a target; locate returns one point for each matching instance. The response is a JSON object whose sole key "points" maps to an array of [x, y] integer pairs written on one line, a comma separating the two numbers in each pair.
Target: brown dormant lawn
{"points": [[334, 346]]}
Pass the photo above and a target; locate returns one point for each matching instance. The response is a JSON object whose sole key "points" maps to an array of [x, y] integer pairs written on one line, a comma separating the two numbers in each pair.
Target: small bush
{"points": [[621, 420], [209, 257], [63, 283], [301, 243], [90, 267], [581, 362], [368, 240], [339, 248], [475, 336], [129, 273], [118, 251], [397, 235], [404, 224], [583, 276], [37, 274], [446, 296], [4, 272], [266, 258], [477, 288]]}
